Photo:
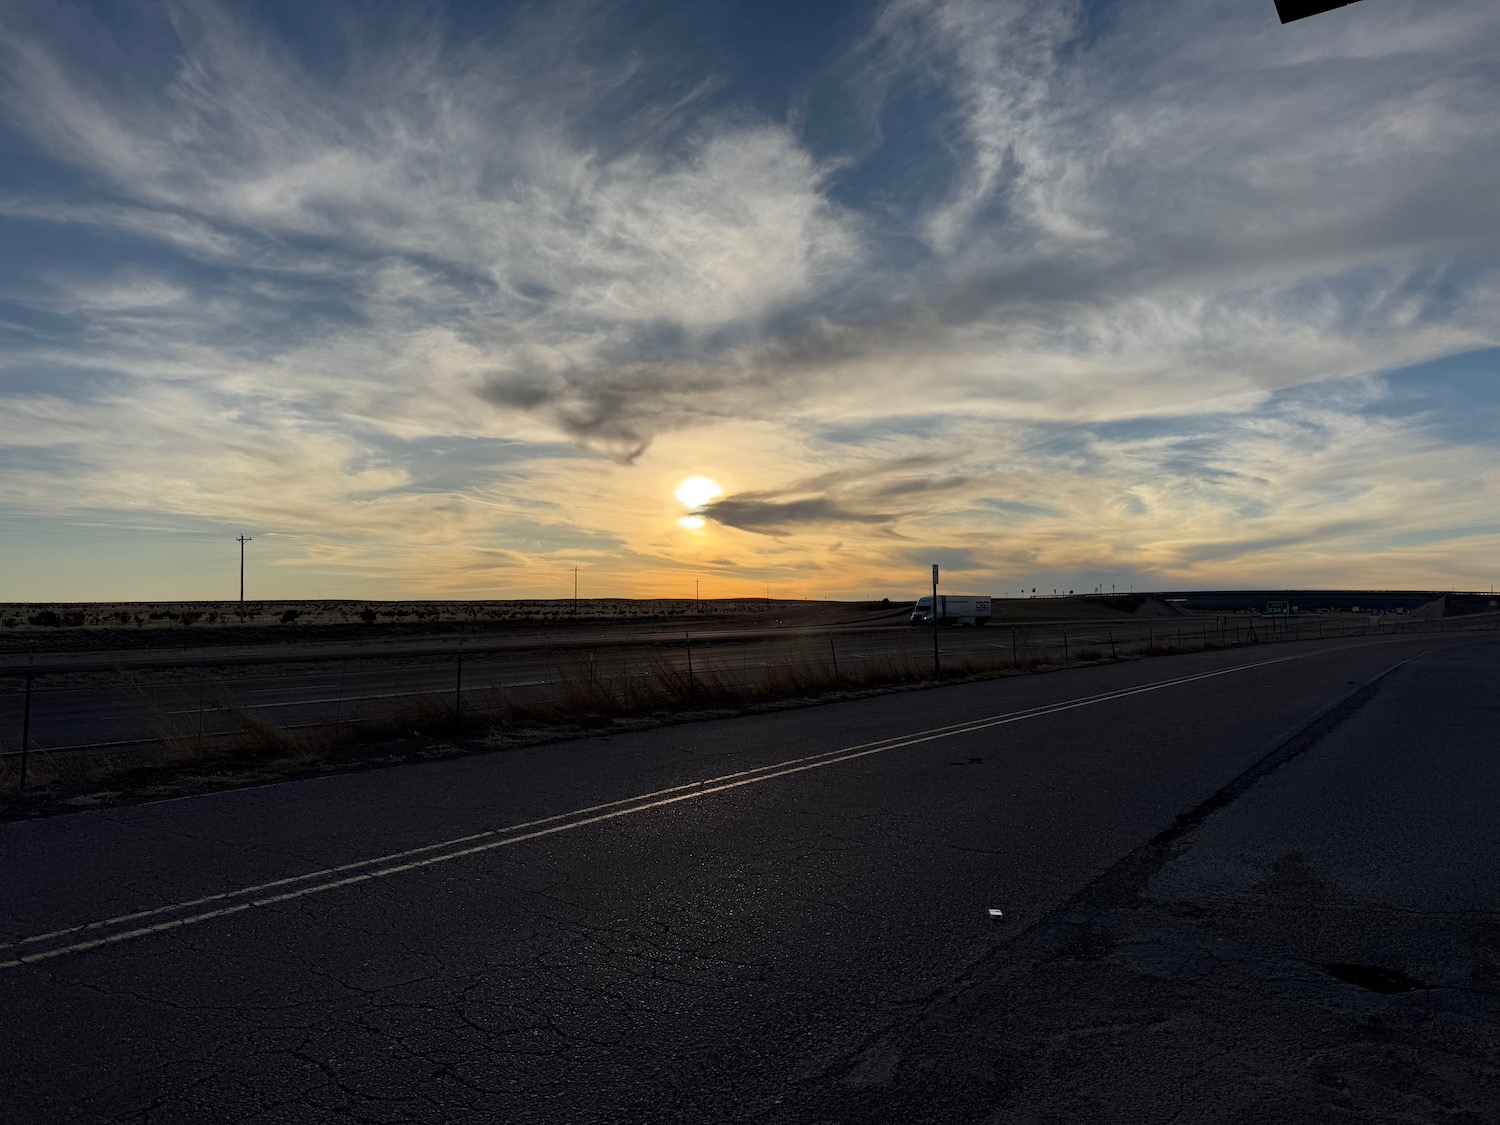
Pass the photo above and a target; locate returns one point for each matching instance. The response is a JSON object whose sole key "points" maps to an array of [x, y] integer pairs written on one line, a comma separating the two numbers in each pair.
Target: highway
{"points": [[1241, 884], [85, 701]]}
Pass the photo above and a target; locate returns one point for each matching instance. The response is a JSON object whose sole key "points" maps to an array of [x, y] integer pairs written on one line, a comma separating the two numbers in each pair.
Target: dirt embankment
{"points": [[1107, 607], [115, 626], [85, 626]]}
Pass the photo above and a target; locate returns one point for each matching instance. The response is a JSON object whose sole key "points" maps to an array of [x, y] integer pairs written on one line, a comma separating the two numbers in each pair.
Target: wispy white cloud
{"points": [[1175, 211]]}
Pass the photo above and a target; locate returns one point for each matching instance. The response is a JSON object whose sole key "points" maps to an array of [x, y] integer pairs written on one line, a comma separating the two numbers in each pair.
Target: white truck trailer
{"points": [[952, 609]]}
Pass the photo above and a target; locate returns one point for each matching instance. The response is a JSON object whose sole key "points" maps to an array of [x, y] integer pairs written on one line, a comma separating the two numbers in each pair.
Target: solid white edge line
{"points": [[580, 818]]}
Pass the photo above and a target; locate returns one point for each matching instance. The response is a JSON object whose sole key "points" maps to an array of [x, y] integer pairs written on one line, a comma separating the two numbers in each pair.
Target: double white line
{"points": [[143, 923]]}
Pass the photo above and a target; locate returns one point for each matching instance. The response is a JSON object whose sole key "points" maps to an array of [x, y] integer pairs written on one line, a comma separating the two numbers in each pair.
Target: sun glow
{"points": [[698, 491], [692, 523]]}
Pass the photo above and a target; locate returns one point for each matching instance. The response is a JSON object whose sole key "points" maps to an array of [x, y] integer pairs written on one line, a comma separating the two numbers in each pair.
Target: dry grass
{"points": [[589, 692], [53, 618]]}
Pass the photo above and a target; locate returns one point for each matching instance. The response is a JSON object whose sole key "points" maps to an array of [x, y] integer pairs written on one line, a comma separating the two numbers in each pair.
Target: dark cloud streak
{"points": [[751, 512]]}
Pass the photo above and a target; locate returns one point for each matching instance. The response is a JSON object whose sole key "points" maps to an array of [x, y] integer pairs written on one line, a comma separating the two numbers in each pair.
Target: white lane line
{"points": [[574, 819], [283, 690], [439, 690]]}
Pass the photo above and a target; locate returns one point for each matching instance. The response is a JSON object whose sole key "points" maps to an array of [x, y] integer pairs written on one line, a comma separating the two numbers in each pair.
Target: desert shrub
{"points": [[190, 615], [368, 615], [290, 615], [46, 617], [11, 622]]}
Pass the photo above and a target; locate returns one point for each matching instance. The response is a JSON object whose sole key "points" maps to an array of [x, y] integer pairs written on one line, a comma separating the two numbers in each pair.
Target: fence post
{"points": [[25, 725], [202, 672], [338, 714], [691, 686], [1014, 659], [835, 653], [1112, 653], [1065, 646], [458, 683]]}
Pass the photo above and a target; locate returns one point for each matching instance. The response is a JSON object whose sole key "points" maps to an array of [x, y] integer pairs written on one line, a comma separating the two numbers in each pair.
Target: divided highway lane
{"points": [[125, 707], [705, 922], [124, 711], [559, 639], [130, 705], [100, 705]]}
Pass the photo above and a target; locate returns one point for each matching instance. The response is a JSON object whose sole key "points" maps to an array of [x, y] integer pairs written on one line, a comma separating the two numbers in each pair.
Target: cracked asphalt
{"points": [[1266, 894]]}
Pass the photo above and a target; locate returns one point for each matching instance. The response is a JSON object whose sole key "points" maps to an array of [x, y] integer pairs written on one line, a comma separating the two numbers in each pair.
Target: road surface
{"points": [[1249, 884], [87, 701]]}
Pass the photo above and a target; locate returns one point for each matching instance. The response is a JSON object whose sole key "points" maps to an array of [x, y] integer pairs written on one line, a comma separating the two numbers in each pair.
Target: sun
{"points": [[698, 491]]}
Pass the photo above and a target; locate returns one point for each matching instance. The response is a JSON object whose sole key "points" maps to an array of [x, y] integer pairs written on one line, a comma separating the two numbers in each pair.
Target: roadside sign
{"points": [[934, 573], [1281, 608]]}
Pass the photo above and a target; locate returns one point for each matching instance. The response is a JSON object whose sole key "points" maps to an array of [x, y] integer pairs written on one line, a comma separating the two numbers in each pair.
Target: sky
{"points": [[445, 300]]}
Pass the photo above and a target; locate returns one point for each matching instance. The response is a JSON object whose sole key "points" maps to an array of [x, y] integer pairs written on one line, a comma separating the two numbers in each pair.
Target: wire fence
{"points": [[52, 711]]}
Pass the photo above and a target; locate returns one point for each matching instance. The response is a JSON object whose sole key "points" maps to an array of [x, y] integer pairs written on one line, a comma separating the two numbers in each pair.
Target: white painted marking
{"points": [[566, 822], [437, 690]]}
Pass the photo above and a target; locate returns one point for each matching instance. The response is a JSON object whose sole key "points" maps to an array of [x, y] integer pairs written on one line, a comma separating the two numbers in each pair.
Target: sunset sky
{"points": [[443, 300]]}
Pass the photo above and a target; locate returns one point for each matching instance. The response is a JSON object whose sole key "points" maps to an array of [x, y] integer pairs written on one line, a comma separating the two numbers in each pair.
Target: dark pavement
{"points": [[81, 702], [787, 916]]}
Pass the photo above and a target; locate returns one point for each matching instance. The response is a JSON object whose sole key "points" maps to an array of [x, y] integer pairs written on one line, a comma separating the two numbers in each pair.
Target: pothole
{"points": [[1373, 977]]}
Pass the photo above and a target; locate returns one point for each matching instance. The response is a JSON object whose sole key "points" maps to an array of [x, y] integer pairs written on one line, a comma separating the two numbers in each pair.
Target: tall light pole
{"points": [[575, 591], [242, 541]]}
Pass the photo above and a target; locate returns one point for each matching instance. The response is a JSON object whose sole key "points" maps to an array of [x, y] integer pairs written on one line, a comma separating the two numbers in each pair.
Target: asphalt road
{"points": [[87, 702], [1237, 885], [125, 709]]}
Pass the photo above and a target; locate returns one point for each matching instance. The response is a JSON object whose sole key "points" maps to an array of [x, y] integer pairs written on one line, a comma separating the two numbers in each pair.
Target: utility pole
{"points": [[937, 662], [242, 541], [697, 597], [575, 591], [26, 725]]}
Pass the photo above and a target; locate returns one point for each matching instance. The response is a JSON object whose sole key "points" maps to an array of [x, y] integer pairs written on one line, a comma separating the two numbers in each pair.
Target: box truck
{"points": [[952, 609]]}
